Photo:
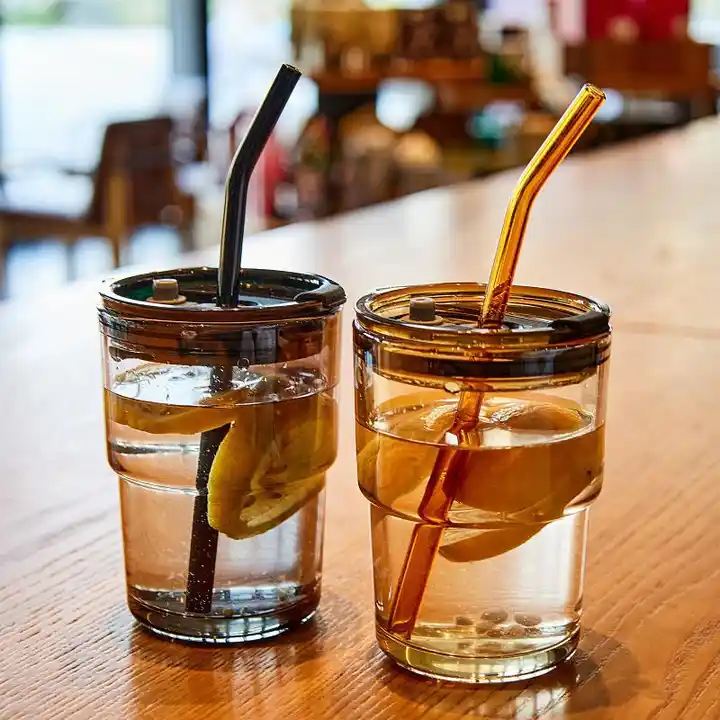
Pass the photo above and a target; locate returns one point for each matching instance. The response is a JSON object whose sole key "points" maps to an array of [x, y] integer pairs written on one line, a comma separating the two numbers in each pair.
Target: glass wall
{"points": [[249, 40], [68, 67]]}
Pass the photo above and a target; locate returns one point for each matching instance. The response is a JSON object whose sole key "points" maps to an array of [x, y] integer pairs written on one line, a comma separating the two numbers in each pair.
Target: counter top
{"points": [[636, 225]]}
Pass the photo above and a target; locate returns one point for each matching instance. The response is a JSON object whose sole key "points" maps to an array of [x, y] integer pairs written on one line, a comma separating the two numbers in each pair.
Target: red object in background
{"points": [[273, 172], [600, 15], [666, 19], [654, 19]]}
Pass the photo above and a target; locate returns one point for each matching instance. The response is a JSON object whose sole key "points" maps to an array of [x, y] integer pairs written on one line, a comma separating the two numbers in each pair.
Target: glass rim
{"points": [[585, 318], [280, 296]]}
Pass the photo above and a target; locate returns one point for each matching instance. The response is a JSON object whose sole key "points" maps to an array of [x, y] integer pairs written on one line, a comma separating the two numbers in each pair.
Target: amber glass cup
{"points": [[491, 590]]}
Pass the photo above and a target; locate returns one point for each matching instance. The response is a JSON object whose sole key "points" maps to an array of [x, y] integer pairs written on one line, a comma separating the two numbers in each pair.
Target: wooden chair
{"points": [[134, 185]]}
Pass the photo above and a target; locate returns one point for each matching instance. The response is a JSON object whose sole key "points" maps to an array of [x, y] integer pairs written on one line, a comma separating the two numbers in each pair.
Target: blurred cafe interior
{"points": [[118, 119], [461, 425]]}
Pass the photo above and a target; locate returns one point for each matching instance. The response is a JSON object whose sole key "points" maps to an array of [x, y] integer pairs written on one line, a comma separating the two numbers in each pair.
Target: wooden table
{"points": [[636, 225]]}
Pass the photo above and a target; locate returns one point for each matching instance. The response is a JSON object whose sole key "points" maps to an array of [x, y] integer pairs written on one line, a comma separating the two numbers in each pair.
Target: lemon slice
{"points": [[162, 419], [532, 482], [474, 545], [265, 509], [307, 440], [541, 417], [271, 462], [389, 468], [536, 480]]}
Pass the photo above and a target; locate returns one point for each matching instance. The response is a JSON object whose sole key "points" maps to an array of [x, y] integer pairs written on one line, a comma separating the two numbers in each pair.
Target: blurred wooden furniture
{"points": [[651, 643], [433, 72], [461, 85], [676, 68], [133, 186]]}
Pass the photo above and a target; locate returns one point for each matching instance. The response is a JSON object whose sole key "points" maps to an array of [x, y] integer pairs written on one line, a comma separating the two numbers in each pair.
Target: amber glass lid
{"points": [[457, 307], [434, 330]]}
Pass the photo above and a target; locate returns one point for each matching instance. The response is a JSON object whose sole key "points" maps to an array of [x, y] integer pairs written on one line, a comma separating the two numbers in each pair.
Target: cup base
{"points": [[229, 630], [476, 669]]}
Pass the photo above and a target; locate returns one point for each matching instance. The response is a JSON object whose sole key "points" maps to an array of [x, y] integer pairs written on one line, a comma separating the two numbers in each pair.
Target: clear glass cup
{"points": [[221, 425], [479, 527]]}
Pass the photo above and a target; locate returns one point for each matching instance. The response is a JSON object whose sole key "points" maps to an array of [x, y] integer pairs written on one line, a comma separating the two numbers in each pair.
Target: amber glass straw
{"points": [[447, 472]]}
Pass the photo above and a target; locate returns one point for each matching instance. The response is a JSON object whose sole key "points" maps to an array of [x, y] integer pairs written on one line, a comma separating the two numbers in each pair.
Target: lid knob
{"points": [[166, 290], [422, 309]]}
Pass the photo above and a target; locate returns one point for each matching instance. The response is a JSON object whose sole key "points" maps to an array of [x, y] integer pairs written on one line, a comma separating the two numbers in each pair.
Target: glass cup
{"points": [[480, 452], [221, 424]]}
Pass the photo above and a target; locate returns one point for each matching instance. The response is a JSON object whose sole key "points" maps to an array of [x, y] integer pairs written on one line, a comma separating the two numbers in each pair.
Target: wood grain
{"points": [[636, 226]]}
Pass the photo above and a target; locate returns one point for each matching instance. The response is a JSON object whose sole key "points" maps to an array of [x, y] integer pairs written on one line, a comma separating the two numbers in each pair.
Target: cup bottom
{"points": [[222, 629], [476, 669]]}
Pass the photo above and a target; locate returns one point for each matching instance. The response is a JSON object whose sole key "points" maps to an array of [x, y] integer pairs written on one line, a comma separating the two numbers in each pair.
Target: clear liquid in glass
{"points": [[266, 494], [504, 595]]}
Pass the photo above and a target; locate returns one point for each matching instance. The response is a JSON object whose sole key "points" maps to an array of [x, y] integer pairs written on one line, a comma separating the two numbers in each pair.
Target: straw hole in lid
{"points": [[248, 303]]}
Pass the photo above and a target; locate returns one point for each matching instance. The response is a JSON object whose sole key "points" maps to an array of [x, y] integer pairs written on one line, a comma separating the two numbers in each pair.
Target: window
{"points": [[70, 67]]}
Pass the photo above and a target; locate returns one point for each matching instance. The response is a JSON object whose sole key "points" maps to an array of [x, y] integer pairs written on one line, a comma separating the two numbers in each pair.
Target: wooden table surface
{"points": [[637, 226]]}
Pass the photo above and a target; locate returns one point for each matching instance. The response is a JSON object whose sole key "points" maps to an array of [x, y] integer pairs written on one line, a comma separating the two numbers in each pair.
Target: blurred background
{"points": [[118, 118]]}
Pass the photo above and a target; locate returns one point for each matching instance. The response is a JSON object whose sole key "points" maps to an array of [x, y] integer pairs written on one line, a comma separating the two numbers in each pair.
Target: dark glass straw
{"points": [[204, 539], [238, 181]]}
